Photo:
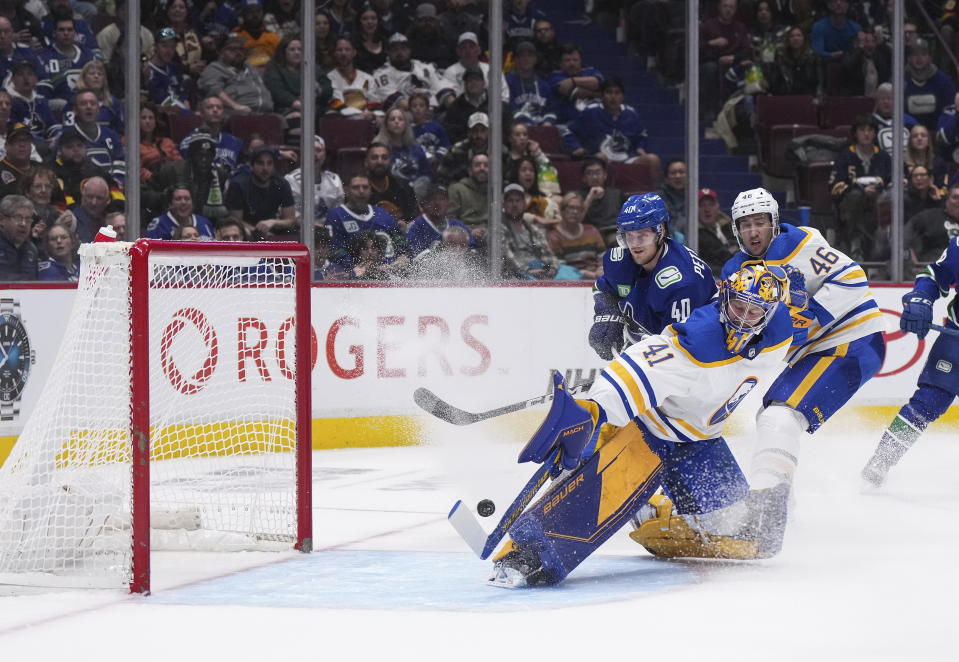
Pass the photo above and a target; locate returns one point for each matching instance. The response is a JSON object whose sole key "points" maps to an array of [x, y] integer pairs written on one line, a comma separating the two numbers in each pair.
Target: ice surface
{"points": [[861, 576]]}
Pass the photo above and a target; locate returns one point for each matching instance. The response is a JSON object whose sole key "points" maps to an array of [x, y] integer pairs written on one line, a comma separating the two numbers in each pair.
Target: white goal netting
{"points": [[223, 420]]}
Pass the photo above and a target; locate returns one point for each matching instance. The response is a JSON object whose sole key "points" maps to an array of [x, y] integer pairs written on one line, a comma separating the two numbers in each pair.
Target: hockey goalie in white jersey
{"points": [[654, 418]]}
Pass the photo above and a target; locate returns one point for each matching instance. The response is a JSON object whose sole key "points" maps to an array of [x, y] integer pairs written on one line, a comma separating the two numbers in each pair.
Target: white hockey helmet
{"points": [[755, 201]]}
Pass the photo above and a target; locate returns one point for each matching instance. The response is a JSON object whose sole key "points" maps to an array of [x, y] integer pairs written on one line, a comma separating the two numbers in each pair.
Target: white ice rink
{"points": [[862, 577]]}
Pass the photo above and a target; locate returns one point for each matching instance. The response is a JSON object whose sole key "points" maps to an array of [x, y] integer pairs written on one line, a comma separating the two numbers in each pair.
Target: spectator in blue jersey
{"points": [[883, 116], [104, 145], [611, 131], [28, 107], [602, 201], [15, 164], [90, 213], [529, 94], [860, 176], [262, 199], [427, 229], [63, 262], [429, 134], [18, 256], [10, 52], [835, 34], [356, 216], [93, 77], [228, 146], [408, 161], [520, 20], [180, 214], [62, 61], [573, 86], [63, 9], [928, 91], [163, 77], [239, 86]]}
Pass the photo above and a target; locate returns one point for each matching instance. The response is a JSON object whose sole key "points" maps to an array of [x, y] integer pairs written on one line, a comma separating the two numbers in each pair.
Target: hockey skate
{"points": [[518, 568], [875, 471]]}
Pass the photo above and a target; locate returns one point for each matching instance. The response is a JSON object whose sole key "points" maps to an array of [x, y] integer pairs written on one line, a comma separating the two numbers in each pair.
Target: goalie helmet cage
{"points": [[146, 382]]}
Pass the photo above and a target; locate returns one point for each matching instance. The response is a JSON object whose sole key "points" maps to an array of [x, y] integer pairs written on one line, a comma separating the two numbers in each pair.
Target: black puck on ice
{"points": [[485, 508]]}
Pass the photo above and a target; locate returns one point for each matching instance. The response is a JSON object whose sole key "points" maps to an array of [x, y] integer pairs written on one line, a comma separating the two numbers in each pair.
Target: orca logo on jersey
{"points": [[668, 276]]}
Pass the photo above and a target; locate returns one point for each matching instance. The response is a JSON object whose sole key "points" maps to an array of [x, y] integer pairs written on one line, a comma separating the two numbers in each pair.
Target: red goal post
{"points": [[142, 419]]}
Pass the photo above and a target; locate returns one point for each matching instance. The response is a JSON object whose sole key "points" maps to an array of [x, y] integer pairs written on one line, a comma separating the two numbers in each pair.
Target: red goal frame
{"points": [[140, 253]]}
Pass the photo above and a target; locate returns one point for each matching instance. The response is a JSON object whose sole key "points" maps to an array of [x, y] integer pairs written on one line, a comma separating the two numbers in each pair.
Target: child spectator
{"points": [[63, 262], [430, 134], [580, 246]]}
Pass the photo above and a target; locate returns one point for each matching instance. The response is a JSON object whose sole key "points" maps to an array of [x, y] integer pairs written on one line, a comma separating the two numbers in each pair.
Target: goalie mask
{"points": [[755, 201], [640, 212], [748, 300]]}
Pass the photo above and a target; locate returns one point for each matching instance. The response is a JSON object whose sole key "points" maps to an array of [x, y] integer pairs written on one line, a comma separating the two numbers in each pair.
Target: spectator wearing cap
{"points": [[474, 99], [369, 39], [228, 146], [10, 52], [162, 75], [205, 179], [262, 199], [239, 86], [573, 86], [860, 176], [428, 228], [455, 165], [6, 105], [72, 167], [526, 251], [401, 76], [928, 91], [19, 259], [529, 94], [468, 52], [834, 34], [469, 197], [716, 240], [354, 91], [28, 107], [260, 43], [327, 187], [520, 20], [602, 201], [386, 190], [175, 14], [179, 215], [104, 146], [62, 61], [357, 216], [427, 42], [611, 131], [14, 166]]}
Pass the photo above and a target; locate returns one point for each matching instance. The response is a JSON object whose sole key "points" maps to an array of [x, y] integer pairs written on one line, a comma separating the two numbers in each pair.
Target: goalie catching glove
{"points": [[606, 334]]}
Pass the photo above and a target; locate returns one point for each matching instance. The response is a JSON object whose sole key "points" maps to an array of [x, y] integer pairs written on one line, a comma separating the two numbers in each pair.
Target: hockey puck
{"points": [[485, 508]]}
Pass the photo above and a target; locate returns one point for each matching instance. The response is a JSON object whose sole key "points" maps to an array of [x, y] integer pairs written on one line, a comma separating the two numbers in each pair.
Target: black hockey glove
{"points": [[606, 334]]}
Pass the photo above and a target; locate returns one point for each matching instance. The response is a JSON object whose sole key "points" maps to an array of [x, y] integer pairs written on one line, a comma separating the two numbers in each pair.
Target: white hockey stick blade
{"points": [[469, 529]]}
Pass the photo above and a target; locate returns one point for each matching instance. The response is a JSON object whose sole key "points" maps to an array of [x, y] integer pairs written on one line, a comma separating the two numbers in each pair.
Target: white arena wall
{"points": [[479, 347]]}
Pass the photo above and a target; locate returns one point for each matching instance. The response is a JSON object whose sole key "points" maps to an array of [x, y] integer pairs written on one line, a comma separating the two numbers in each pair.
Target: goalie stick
{"points": [[468, 527]]}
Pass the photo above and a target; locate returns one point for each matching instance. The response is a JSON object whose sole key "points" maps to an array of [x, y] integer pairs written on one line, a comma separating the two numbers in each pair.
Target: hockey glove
{"points": [[798, 299], [606, 334], [916, 314]]}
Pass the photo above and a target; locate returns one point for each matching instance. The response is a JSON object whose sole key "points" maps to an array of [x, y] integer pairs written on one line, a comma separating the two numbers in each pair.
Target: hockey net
{"points": [[177, 398]]}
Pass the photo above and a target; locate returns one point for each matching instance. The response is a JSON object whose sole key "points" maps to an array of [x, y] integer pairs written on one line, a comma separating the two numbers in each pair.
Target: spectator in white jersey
{"points": [[327, 188], [402, 75]]}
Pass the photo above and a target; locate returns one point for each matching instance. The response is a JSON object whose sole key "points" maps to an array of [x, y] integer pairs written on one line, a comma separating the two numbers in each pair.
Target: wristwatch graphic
{"points": [[16, 357]]}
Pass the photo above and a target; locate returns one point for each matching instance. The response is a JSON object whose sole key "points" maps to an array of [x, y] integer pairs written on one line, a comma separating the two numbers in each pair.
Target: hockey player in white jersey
{"points": [[842, 350], [401, 76], [654, 418]]}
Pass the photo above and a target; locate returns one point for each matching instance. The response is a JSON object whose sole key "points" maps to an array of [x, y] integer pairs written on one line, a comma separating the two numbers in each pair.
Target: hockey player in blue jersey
{"points": [[655, 418], [648, 282], [938, 383]]}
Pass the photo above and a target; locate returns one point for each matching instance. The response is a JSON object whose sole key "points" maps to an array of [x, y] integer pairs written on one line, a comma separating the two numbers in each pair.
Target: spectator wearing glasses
{"points": [[19, 259], [549, 51]]}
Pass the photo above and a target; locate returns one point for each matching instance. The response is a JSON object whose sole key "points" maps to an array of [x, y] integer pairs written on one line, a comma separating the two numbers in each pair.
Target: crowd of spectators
{"points": [[221, 121]]}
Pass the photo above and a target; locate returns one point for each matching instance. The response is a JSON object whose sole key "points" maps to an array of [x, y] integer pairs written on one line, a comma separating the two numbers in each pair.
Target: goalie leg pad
{"points": [[700, 476], [589, 505]]}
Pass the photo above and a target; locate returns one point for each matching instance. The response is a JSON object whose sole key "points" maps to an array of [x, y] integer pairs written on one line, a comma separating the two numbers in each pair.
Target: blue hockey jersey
{"points": [[61, 71], [344, 224], [422, 233], [598, 131], [939, 277], [680, 283], [162, 227]]}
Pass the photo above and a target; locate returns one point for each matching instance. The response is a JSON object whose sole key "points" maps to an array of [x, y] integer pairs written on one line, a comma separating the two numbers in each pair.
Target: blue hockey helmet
{"points": [[642, 211], [748, 299]]}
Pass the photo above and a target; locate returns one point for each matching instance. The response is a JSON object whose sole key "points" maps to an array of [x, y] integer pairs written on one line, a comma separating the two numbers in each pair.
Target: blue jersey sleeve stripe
{"points": [[650, 394], [622, 394]]}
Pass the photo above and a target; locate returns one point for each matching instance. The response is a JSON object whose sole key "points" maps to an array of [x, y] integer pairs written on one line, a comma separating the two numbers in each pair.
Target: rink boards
{"points": [[478, 347]]}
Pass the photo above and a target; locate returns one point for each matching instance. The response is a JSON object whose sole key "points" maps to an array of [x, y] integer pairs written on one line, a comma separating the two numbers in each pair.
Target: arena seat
{"points": [[339, 132], [268, 127], [837, 111]]}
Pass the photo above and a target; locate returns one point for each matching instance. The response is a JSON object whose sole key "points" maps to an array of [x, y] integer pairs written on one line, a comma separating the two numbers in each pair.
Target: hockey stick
{"points": [[944, 329], [433, 404], [468, 527]]}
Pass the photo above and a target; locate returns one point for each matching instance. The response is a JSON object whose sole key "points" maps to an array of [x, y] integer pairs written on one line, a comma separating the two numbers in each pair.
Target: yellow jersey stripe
{"points": [[733, 359], [796, 250], [810, 379], [627, 380], [856, 321]]}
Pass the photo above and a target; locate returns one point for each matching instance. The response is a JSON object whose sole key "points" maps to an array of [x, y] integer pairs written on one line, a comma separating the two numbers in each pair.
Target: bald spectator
{"points": [[239, 86], [91, 213], [18, 256]]}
